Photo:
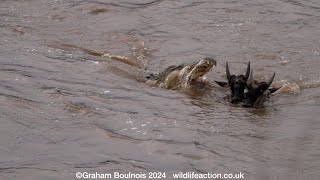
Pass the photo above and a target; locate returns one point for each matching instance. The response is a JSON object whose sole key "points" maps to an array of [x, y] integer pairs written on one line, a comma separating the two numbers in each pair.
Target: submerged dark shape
{"points": [[237, 84], [257, 92]]}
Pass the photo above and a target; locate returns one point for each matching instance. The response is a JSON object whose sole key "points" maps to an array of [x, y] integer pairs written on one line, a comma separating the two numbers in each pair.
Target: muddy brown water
{"points": [[66, 109]]}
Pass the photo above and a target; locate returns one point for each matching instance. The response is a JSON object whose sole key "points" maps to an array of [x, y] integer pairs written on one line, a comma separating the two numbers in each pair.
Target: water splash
{"points": [[311, 84], [287, 87]]}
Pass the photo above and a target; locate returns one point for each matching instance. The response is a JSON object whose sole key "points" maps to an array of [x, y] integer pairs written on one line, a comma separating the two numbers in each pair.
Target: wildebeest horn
{"points": [[250, 79], [248, 72], [271, 79], [228, 72]]}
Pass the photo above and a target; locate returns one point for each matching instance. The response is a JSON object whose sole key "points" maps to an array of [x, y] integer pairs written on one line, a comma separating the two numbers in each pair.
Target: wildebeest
{"points": [[237, 84], [257, 92]]}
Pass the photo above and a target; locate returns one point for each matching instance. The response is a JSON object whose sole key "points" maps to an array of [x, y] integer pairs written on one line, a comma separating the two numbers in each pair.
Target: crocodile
{"points": [[180, 77], [173, 77]]}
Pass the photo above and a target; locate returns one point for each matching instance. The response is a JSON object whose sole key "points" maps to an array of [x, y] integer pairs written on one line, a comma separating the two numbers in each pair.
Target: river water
{"points": [[64, 109]]}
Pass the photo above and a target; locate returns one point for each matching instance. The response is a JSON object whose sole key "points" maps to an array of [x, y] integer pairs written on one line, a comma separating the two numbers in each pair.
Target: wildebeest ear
{"points": [[222, 83]]}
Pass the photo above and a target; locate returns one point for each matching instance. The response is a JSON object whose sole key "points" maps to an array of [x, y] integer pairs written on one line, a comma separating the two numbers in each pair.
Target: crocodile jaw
{"points": [[199, 70]]}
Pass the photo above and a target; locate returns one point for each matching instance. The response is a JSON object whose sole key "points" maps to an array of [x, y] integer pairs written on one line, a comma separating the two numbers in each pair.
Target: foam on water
{"points": [[311, 84]]}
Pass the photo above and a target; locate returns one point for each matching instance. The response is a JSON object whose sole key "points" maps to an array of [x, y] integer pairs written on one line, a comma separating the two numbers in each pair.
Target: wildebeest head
{"points": [[237, 84], [257, 92]]}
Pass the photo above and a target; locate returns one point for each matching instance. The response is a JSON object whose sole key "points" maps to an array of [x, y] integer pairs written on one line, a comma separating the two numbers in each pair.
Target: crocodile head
{"points": [[197, 70], [180, 77]]}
